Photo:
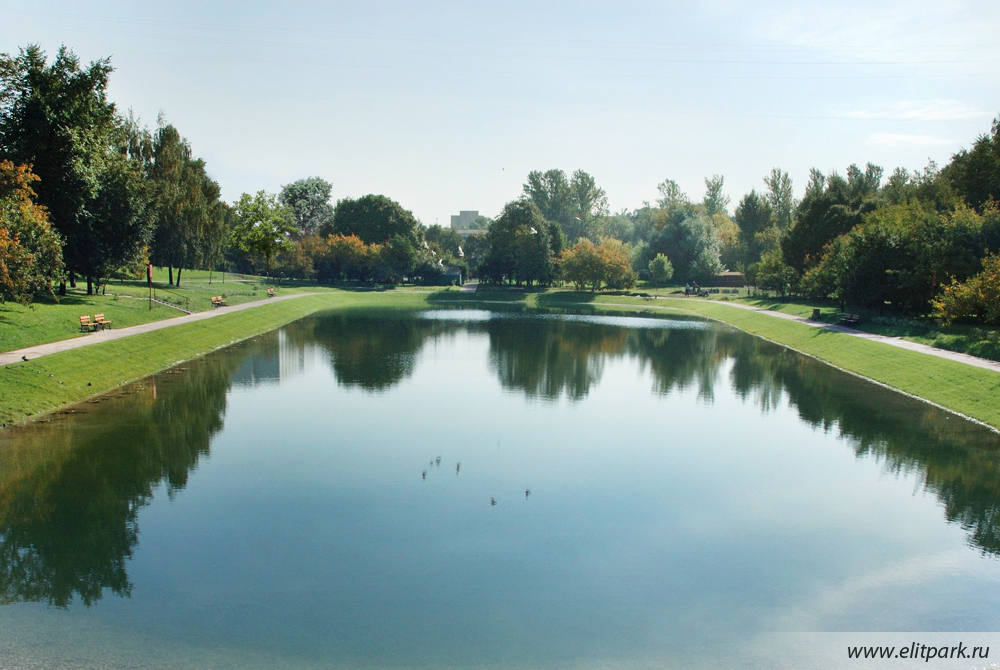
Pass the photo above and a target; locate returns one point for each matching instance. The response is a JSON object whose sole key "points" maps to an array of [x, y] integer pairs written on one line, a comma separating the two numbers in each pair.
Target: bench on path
{"points": [[100, 321], [217, 301], [850, 319], [86, 325]]}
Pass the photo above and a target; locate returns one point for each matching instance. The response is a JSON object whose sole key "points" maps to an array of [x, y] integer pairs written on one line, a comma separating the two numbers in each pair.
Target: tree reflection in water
{"points": [[70, 490]]}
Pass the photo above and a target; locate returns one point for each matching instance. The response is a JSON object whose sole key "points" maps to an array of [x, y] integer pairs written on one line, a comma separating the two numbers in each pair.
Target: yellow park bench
{"points": [[270, 293], [101, 322], [217, 301], [86, 325]]}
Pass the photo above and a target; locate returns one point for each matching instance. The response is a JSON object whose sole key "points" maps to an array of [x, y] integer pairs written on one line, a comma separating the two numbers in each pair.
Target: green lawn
{"points": [[49, 321], [976, 340], [125, 304], [972, 391], [47, 383], [51, 382]]}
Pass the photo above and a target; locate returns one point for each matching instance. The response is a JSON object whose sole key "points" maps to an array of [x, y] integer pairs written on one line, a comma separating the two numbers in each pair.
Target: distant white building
{"points": [[464, 223]]}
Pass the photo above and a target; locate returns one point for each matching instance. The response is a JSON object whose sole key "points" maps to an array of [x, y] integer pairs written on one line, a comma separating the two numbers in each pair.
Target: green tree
{"points": [[552, 194], [119, 219], [716, 200], [589, 205], [190, 219], [309, 200], [753, 216], [975, 172], [831, 207], [443, 240], [660, 269], [263, 226], [779, 197], [397, 259], [57, 118], [519, 246], [771, 273], [376, 219], [691, 244], [672, 198]]}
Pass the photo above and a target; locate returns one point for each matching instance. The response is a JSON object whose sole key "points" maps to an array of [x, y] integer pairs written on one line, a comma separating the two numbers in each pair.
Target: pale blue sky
{"points": [[447, 105]]}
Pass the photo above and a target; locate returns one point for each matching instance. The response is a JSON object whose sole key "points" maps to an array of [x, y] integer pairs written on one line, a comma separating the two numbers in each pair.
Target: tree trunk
{"points": [[170, 275], [90, 285], [62, 288], [72, 280], [178, 277]]}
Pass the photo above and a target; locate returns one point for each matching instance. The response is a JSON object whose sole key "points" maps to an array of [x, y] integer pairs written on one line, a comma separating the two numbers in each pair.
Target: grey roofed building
{"points": [[464, 223]]}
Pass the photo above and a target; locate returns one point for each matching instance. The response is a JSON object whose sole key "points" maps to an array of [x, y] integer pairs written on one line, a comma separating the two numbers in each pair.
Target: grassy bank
{"points": [[51, 382], [48, 383], [124, 303], [974, 392]]}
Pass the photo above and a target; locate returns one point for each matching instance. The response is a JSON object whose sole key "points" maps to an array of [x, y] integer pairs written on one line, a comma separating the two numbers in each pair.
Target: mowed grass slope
{"points": [[48, 383], [49, 321], [972, 391], [123, 303]]}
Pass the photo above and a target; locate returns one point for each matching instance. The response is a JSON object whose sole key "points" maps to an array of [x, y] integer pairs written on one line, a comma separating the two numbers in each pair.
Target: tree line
{"points": [[86, 192]]}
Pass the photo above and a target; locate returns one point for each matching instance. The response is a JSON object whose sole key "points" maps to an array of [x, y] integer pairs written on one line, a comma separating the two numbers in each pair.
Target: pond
{"points": [[481, 489]]}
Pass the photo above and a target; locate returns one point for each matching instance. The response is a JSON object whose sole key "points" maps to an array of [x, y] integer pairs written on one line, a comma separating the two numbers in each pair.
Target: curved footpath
{"points": [[885, 339], [30, 353]]}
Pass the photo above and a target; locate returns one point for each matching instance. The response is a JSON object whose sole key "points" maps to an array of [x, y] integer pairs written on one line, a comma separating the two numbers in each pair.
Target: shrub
{"points": [[660, 269], [975, 299]]}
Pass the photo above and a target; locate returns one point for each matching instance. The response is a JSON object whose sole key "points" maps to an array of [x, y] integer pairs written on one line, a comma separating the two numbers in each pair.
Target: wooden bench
{"points": [[86, 325], [217, 301], [850, 319], [101, 322], [270, 293]]}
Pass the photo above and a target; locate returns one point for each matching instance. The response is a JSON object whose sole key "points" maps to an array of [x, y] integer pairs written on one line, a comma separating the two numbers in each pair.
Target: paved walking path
{"points": [[106, 335], [884, 339], [115, 333]]}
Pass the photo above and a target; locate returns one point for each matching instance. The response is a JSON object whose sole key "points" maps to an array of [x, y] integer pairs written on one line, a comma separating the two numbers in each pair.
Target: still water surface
{"points": [[667, 493]]}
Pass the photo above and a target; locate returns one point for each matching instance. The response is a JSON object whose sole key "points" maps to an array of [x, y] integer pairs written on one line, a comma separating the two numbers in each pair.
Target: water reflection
{"points": [[551, 358], [71, 489], [372, 351]]}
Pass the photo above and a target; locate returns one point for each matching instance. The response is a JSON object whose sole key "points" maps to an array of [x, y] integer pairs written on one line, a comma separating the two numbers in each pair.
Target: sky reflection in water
{"points": [[692, 489]]}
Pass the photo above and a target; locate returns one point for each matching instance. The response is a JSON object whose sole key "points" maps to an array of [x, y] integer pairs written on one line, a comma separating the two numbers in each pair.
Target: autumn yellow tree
{"points": [[975, 299], [587, 265], [30, 250]]}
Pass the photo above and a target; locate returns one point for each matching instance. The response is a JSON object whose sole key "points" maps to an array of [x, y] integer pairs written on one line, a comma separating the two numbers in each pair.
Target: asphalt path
{"points": [[29, 353], [106, 335]]}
